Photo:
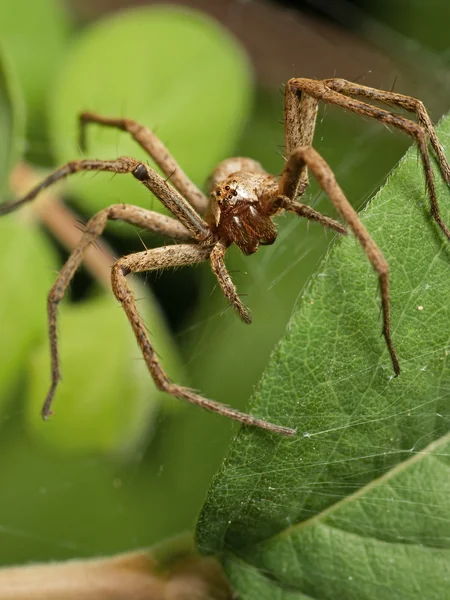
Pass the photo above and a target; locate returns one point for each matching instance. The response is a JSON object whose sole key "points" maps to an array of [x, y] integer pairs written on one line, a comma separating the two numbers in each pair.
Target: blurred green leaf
{"points": [[270, 509], [173, 70], [34, 33], [12, 120], [107, 399], [23, 298], [21, 243]]}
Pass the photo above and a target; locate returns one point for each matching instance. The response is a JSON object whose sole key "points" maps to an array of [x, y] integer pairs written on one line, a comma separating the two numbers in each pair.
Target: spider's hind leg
{"points": [[408, 103], [321, 91], [161, 258]]}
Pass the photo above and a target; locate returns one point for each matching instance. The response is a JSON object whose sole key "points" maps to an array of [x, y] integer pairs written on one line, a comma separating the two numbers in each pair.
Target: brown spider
{"points": [[243, 201]]}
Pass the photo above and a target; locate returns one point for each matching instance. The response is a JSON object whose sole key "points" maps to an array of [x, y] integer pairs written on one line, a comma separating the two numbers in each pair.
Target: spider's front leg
{"points": [[169, 197], [307, 157], [162, 258], [155, 148]]}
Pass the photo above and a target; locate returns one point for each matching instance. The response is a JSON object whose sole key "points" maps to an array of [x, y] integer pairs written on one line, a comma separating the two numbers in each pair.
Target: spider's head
{"points": [[238, 213], [229, 194]]}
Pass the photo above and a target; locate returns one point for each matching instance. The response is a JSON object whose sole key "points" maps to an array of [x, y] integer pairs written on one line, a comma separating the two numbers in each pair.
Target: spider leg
{"points": [[300, 115], [94, 228], [161, 258], [156, 149], [308, 157], [171, 199], [291, 181], [226, 283], [408, 103], [322, 92], [291, 175]]}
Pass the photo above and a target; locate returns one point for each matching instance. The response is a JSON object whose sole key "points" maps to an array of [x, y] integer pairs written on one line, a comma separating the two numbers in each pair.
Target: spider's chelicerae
{"points": [[242, 203]]}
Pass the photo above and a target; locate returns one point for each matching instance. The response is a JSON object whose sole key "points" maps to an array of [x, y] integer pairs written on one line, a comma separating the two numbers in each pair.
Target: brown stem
{"points": [[135, 575]]}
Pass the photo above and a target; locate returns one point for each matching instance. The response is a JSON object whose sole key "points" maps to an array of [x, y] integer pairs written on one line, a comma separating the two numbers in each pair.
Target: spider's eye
{"points": [[227, 187], [140, 172], [234, 193], [218, 193]]}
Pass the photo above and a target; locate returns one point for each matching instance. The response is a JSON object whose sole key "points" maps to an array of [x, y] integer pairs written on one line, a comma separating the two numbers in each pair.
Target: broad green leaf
{"points": [[173, 70], [268, 510], [386, 540], [12, 119], [34, 33], [106, 399]]}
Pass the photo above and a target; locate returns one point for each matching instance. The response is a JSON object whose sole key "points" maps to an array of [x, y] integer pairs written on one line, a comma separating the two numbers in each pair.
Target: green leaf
{"points": [[34, 34], [23, 298], [106, 400], [389, 539], [12, 120], [334, 513], [173, 70]]}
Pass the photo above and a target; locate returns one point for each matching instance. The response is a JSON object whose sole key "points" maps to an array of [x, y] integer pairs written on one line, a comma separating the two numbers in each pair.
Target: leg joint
{"points": [[140, 172]]}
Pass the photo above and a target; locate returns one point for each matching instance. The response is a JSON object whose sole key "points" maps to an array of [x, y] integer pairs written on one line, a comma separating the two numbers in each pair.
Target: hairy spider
{"points": [[243, 201]]}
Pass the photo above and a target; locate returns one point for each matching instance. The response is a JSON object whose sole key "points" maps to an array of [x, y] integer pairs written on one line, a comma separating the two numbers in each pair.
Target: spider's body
{"points": [[242, 203]]}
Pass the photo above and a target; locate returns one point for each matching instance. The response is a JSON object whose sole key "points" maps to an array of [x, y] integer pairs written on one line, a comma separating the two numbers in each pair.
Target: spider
{"points": [[242, 202]]}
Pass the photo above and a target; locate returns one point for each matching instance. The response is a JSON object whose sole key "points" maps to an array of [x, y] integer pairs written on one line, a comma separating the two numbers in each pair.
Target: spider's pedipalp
{"points": [[228, 288]]}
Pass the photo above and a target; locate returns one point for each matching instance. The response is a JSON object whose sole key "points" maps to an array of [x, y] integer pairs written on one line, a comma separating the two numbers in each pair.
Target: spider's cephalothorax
{"points": [[243, 200], [241, 204]]}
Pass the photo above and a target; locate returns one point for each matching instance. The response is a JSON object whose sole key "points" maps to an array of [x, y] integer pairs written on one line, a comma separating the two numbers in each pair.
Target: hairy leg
{"points": [[302, 158], [94, 228], [288, 189], [162, 258], [300, 115], [156, 149], [171, 199], [322, 92], [305, 211], [408, 103], [226, 283]]}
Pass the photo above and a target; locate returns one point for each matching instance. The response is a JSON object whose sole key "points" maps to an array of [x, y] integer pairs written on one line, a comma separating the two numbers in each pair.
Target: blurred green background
{"points": [[120, 466]]}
